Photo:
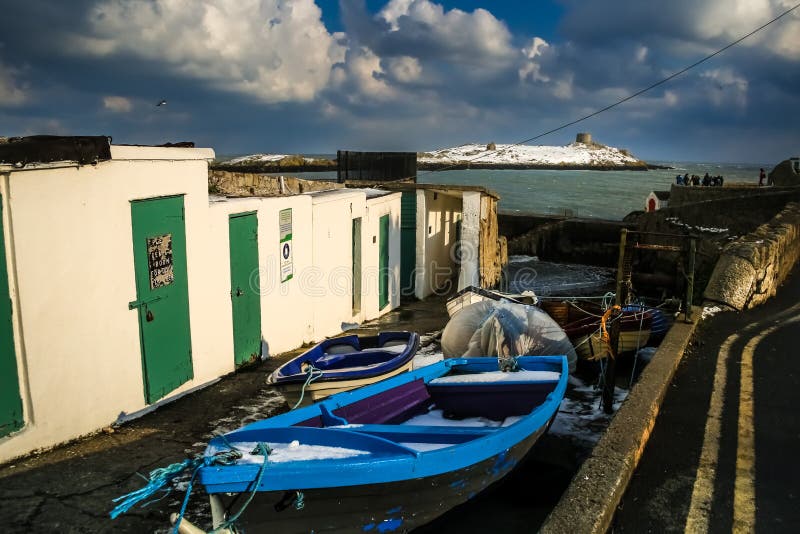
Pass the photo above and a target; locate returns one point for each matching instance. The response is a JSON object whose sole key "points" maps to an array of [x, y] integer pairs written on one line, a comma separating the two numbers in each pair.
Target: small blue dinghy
{"points": [[387, 457], [344, 363]]}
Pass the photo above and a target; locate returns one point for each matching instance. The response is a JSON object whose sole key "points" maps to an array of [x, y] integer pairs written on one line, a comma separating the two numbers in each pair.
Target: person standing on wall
{"points": [[761, 176]]}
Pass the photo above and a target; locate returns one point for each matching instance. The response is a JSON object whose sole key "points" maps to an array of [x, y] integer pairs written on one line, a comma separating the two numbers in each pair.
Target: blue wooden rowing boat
{"points": [[343, 363], [386, 457]]}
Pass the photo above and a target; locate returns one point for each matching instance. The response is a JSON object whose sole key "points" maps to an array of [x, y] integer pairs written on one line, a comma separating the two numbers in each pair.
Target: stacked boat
{"points": [[588, 326], [344, 363]]}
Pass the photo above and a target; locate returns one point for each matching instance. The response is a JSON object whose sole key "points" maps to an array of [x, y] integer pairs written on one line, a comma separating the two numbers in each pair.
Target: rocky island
{"points": [[583, 154]]}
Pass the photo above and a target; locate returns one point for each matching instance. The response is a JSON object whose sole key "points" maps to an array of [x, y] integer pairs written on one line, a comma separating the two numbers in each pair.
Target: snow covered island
{"points": [[578, 155], [582, 154]]}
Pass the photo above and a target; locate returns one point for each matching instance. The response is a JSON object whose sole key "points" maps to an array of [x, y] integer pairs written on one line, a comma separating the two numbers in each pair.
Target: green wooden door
{"points": [[383, 263], [162, 294], [245, 287], [10, 401], [356, 241], [408, 242]]}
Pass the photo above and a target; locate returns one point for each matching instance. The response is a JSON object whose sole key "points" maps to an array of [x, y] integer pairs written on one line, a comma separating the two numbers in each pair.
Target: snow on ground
{"points": [[581, 417], [710, 311], [707, 229], [572, 154], [256, 158]]}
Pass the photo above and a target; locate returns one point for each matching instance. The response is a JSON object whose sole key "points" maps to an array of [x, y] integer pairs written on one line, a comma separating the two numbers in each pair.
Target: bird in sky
{"points": [[161, 103]]}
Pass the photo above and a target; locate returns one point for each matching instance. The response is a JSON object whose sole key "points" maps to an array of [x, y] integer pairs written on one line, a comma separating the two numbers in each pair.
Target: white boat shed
{"points": [[124, 284]]}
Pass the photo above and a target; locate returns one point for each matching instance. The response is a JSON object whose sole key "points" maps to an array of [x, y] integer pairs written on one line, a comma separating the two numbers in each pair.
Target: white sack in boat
{"points": [[504, 329]]}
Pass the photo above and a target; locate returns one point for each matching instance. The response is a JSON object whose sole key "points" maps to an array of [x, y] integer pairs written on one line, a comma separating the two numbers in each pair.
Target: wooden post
{"points": [[621, 298], [690, 280]]}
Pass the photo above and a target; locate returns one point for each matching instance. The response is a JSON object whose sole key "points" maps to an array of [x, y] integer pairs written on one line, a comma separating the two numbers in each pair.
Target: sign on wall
{"points": [[285, 224], [159, 260]]}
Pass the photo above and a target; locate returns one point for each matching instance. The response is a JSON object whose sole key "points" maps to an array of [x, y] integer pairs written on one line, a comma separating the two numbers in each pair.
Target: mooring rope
{"points": [[162, 476], [313, 374]]}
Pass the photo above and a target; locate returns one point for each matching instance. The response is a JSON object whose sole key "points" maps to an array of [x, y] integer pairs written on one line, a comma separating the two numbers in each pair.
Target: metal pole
{"points": [[690, 279]]}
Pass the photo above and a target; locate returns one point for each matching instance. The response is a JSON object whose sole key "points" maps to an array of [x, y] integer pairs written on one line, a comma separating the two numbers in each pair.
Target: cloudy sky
{"points": [[311, 76]]}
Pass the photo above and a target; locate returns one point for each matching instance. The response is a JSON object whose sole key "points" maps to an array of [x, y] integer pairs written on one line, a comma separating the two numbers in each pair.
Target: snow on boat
{"points": [[343, 363], [472, 294], [387, 457]]}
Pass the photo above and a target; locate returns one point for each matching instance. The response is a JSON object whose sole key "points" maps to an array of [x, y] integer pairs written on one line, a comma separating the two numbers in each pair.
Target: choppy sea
{"points": [[602, 194]]}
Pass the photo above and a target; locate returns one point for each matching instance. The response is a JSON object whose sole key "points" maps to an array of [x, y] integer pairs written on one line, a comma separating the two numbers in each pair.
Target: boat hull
{"points": [[593, 347], [317, 391], [388, 507]]}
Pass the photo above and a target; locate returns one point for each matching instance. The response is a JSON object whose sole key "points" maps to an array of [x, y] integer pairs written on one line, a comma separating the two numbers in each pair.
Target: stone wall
{"points": [[593, 242], [243, 184], [493, 254], [681, 195], [750, 269]]}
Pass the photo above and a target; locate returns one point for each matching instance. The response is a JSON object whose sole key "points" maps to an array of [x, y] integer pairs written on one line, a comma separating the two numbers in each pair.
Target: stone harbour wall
{"points": [[247, 184], [751, 268]]}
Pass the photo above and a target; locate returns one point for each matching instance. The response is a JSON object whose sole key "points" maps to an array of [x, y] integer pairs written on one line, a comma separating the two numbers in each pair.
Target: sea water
{"points": [[600, 194]]}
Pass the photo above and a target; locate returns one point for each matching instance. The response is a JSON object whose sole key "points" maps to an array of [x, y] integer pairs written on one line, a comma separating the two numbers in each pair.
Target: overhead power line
{"points": [[627, 98]]}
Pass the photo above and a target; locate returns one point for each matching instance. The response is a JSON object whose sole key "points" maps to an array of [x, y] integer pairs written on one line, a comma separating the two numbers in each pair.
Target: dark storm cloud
{"points": [[408, 75]]}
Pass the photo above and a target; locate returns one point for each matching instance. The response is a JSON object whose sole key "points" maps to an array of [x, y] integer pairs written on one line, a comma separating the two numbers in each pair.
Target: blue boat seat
{"points": [[341, 348], [424, 433]]}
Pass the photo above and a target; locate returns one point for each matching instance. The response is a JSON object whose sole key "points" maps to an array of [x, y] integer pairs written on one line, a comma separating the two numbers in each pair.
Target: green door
{"points": [[162, 294], [383, 263], [356, 241], [408, 242], [10, 401], [245, 288]]}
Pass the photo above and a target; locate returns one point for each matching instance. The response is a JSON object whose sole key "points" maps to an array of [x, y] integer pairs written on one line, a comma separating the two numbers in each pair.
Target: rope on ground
{"points": [[160, 477]]}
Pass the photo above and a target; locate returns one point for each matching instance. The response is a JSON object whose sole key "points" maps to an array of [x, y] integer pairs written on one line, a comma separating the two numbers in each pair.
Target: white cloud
{"points": [[563, 89], [530, 68], [404, 69], [117, 104], [276, 51], [726, 87], [670, 98], [11, 92], [454, 34], [641, 54], [361, 75]]}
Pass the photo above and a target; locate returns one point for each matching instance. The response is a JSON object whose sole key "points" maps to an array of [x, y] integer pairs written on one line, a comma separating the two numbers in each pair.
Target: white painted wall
{"points": [[436, 237], [71, 275], [329, 281], [74, 274], [660, 204], [370, 252], [286, 310], [469, 275]]}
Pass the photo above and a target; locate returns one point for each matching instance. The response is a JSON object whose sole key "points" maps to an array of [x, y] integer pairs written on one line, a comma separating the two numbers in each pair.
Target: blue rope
{"points": [[313, 374], [162, 476], [264, 450], [186, 497], [156, 481]]}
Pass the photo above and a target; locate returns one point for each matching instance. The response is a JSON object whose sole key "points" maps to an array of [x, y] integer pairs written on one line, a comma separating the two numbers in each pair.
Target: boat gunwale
{"points": [[277, 378]]}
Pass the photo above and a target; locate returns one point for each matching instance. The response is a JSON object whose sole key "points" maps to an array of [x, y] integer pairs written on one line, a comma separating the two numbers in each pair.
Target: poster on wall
{"points": [[285, 224], [159, 260]]}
